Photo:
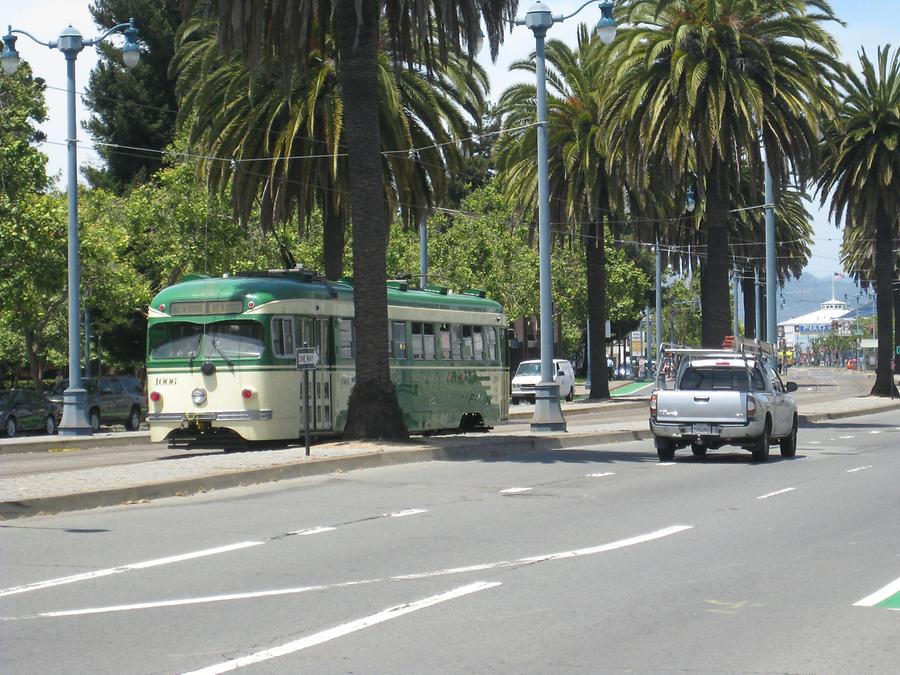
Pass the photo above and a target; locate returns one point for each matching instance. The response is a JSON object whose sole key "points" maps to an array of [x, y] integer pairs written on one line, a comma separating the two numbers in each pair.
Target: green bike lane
{"points": [[887, 597]]}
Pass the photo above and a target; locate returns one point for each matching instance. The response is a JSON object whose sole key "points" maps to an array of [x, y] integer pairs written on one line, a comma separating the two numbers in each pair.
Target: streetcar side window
{"points": [[445, 341], [422, 341], [468, 349], [346, 346], [283, 336], [477, 344], [398, 340], [456, 341], [490, 343]]}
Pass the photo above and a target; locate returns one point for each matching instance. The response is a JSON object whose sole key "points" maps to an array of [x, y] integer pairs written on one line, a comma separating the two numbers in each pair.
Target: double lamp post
{"points": [[70, 43], [547, 411]]}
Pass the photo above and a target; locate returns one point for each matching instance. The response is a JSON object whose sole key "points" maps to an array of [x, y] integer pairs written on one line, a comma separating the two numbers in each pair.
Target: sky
{"points": [[869, 24]]}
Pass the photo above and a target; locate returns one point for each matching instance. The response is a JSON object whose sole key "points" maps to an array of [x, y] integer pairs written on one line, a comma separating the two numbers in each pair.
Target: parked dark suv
{"points": [[114, 399]]}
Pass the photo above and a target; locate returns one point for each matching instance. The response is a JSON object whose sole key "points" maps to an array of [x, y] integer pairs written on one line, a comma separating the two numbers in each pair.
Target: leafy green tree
{"points": [[133, 109], [860, 175], [23, 222], [698, 84], [268, 33]]}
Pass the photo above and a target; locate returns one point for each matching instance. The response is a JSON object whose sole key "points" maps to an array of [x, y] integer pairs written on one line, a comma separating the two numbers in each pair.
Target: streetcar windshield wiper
{"points": [[191, 356], [215, 345]]}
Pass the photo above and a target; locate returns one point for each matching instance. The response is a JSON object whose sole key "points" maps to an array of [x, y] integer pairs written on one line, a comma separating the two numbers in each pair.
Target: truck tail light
{"points": [[653, 405], [751, 407]]}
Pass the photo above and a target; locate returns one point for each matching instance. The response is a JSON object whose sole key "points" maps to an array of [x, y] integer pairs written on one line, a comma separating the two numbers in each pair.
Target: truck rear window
{"points": [[732, 379]]}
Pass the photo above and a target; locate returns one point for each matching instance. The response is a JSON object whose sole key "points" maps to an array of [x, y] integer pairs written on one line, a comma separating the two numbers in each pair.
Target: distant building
{"points": [[800, 331]]}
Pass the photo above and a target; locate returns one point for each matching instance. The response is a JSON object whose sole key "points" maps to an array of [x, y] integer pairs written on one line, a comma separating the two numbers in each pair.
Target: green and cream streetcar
{"points": [[222, 357]]}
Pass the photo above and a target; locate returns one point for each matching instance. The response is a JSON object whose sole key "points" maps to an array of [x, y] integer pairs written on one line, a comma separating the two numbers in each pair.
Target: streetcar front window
{"points": [[234, 339], [175, 340]]}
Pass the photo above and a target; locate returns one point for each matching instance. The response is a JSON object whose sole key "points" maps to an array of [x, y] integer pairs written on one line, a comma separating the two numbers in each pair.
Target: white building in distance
{"points": [[800, 331]]}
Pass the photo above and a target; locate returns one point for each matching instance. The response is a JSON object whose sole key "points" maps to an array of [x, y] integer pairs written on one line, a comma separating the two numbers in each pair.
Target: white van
{"points": [[528, 374]]}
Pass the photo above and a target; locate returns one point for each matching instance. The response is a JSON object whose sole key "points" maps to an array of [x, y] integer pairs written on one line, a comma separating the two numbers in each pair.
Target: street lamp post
{"points": [[70, 43], [547, 411]]}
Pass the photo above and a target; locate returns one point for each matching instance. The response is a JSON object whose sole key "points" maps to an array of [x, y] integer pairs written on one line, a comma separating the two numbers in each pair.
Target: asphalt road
{"points": [[589, 560]]}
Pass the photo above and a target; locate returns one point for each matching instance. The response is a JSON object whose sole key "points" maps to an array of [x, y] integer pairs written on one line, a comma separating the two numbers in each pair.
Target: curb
{"points": [[305, 468], [824, 417]]}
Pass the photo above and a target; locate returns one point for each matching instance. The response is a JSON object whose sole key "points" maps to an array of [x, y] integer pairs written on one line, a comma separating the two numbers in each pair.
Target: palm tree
{"points": [[580, 191], [279, 32], [288, 149], [700, 83], [860, 173]]}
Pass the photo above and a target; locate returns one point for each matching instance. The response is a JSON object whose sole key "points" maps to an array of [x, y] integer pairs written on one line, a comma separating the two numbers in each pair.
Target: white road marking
{"points": [[777, 492], [814, 442], [859, 468], [665, 464], [514, 490], [13, 590], [846, 437], [600, 475], [313, 530], [339, 631], [611, 546], [406, 512], [879, 595], [875, 431]]}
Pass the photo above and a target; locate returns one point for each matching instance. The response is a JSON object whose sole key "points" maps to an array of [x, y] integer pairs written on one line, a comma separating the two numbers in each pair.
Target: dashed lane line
{"points": [[859, 468], [514, 490], [777, 492]]}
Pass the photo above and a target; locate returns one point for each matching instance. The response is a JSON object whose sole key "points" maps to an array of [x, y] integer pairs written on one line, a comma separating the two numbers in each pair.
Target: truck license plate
{"points": [[704, 429]]}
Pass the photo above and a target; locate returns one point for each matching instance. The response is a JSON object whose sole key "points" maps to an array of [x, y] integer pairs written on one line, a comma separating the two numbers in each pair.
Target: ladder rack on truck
{"points": [[732, 347]]}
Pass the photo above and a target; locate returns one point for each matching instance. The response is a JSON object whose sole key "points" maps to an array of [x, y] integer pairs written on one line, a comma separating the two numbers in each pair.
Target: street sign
{"points": [[307, 358]]}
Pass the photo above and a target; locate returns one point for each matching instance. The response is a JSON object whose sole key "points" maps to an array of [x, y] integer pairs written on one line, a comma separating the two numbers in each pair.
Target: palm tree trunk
{"points": [[884, 302], [748, 290], [373, 410], [714, 286], [595, 259], [333, 236]]}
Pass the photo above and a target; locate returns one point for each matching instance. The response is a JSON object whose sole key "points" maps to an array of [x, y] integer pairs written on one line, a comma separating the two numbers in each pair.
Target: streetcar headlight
{"points": [[198, 396]]}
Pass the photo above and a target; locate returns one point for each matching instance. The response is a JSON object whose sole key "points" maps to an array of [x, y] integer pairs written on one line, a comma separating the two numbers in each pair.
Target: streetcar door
{"points": [[314, 333]]}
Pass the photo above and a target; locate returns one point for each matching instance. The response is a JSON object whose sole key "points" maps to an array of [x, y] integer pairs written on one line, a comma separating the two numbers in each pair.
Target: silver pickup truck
{"points": [[723, 397]]}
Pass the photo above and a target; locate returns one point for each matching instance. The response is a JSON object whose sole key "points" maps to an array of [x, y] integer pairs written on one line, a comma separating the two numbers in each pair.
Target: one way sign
{"points": [[307, 358]]}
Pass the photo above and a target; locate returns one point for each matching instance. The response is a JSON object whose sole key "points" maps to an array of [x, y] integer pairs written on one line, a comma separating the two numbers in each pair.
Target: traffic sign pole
{"points": [[307, 360]]}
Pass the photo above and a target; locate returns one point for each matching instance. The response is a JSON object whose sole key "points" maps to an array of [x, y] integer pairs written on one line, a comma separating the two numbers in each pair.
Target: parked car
{"points": [[115, 399], [528, 374], [22, 409]]}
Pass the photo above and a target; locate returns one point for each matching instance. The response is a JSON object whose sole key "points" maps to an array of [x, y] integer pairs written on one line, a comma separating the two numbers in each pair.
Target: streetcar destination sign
{"points": [[307, 358]]}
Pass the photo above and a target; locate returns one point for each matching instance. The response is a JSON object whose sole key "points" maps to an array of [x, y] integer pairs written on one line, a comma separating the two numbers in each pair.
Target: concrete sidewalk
{"points": [[181, 474]]}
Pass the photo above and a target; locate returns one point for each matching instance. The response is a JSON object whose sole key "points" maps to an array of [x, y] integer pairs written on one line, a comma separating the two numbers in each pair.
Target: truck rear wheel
{"points": [[698, 450], [760, 448], [665, 449], [789, 443]]}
